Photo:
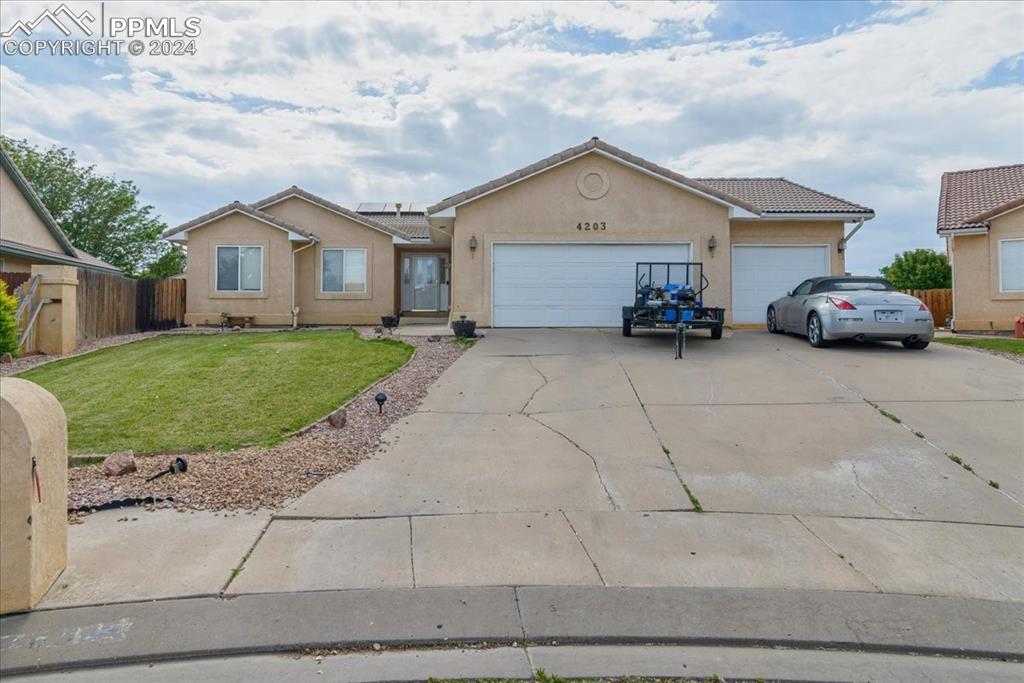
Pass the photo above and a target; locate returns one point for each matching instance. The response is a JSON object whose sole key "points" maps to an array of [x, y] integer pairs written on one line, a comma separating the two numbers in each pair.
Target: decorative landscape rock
{"points": [[338, 418], [7, 357], [119, 464]]}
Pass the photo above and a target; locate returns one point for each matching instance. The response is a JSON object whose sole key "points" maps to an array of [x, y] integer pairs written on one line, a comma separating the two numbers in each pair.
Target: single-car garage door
{"points": [[569, 285], [761, 274]]}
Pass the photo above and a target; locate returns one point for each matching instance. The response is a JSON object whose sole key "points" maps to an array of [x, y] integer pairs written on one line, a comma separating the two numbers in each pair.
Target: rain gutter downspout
{"points": [[295, 309]]}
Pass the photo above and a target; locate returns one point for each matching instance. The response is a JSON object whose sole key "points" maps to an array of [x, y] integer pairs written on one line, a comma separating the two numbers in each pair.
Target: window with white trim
{"points": [[1011, 265], [239, 268], [342, 271]]}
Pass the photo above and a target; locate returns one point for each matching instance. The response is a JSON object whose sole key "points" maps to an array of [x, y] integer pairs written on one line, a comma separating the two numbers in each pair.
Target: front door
{"points": [[426, 274]]}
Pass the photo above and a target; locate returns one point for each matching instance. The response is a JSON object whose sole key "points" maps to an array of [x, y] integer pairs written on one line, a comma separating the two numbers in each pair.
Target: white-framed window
{"points": [[239, 268], [1011, 265], [342, 271]]}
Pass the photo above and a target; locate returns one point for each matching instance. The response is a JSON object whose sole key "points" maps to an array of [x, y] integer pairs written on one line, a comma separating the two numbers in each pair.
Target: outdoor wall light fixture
{"points": [[472, 243], [380, 398], [712, 244]]}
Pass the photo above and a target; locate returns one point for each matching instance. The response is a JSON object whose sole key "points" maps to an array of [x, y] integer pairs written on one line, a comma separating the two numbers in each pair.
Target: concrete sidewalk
{"points": [[52, 640]]}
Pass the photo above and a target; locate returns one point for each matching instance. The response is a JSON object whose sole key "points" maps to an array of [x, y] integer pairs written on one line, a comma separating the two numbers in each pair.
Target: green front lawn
{"points": [[223, 391], [1004, 344]]}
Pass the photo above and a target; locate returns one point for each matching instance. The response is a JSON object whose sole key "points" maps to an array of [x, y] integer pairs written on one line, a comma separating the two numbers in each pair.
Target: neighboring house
{"points": [[29, 234], [552, 244], [981, 218]]}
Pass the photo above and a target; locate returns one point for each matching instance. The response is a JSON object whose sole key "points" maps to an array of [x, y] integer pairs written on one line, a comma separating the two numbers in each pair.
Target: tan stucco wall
{"points": [[636, 208], [547, 207], [336, 231], [15, 264], [272, 306], [796, 233], [204, 304], [18, 222], [977, 302]]}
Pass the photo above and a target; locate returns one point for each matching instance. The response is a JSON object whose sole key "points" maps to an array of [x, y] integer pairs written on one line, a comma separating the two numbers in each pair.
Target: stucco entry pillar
{"points": [[33, 493], [57, 321]]}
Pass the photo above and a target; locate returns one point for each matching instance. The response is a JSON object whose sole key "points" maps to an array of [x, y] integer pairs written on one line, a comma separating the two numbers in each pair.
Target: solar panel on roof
{"points": [[372, 207]]}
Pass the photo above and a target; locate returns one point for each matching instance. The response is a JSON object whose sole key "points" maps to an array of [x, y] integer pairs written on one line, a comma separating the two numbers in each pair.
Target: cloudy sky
{"points": [[414, 102]]}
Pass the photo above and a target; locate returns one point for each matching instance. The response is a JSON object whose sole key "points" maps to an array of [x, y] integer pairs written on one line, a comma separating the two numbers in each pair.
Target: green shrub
{"points": [[8, 323]]}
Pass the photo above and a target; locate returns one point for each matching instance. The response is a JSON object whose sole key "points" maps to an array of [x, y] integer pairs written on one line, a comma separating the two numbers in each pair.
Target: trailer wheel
{"points": [[716, 332], [627, 327]]}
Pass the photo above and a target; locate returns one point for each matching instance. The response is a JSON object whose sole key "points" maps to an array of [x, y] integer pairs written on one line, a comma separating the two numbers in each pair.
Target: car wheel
{"points": [[627, 327], [815, 334], [773, 322], [918, 345]]}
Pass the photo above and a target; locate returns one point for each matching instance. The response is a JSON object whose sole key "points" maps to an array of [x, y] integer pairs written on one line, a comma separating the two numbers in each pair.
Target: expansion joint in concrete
{"points": [[838, 554], [241, 564], [412, 554], [657, 436], [584, 547]]}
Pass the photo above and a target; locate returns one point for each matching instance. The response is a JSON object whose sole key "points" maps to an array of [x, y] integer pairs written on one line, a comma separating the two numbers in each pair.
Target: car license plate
{"points": [[889, 316]]}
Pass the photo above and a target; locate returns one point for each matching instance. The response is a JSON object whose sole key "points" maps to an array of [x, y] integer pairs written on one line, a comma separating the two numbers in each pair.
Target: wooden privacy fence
{"points": [[159, 304], [938, 301], [110, 305], [29, 306]]}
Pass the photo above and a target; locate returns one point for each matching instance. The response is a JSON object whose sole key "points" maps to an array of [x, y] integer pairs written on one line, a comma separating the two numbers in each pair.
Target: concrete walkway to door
{"points": [[553, 457]]}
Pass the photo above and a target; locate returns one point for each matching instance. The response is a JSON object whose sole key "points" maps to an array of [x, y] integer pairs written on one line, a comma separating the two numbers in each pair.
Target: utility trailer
{"points": [[666, 300]]}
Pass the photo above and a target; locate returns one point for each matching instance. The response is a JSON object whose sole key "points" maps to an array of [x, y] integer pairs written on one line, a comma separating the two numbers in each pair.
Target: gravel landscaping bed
{"points": [[251, 478]]}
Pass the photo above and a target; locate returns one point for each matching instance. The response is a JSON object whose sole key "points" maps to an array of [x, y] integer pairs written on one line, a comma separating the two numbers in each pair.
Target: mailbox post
{"points": [[33, 493]]}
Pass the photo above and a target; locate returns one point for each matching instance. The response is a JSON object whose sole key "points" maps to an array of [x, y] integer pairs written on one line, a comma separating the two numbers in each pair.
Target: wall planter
{"points": [[463, 327]]}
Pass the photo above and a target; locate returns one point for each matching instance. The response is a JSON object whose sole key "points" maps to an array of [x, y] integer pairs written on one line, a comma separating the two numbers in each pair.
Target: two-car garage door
{"points": [[569, 285], [761, 274], [586, 285]]}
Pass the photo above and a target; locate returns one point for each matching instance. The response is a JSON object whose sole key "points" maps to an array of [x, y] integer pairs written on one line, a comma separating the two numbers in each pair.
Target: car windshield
{"points": [[857, 285]]}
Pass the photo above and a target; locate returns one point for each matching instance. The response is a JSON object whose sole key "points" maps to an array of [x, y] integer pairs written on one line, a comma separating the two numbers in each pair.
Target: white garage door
{"points": [[569, 285], [761, 274]]}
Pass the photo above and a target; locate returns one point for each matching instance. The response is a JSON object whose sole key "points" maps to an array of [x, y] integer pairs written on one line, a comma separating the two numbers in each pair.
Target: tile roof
{"points": [[969, 198], [250, 211], [329, 205], [757, 195], [779, 195], [413, 225]]}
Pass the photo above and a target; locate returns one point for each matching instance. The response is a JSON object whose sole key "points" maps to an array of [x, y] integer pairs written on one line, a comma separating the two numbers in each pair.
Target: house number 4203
{"points": [[591, 226]]}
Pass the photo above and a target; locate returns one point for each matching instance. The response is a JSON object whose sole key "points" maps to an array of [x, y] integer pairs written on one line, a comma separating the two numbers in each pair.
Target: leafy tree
{"points": [[8, 321], [172, 262], [100, 214], [919, 269]]}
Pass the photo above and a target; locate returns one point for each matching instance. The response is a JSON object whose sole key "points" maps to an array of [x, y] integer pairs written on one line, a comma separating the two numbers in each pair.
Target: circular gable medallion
{"points": [[592, 182]]}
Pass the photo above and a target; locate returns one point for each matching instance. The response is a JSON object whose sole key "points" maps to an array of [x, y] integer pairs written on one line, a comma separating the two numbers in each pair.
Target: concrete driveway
{"points": [[581, 457]]}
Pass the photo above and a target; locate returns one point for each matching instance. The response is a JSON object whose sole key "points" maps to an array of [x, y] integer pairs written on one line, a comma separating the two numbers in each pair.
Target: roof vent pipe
{"points": [[398, 208]]}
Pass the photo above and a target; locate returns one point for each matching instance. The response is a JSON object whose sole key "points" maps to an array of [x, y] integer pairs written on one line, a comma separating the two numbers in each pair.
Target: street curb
{"points": [[128, 633]]}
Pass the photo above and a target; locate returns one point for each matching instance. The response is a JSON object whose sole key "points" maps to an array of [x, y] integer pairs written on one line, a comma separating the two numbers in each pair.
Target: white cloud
{"points": [[384, 100]]}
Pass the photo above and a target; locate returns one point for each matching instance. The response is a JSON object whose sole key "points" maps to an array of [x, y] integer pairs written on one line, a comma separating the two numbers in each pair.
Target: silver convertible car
{"points": [[860, 308]]}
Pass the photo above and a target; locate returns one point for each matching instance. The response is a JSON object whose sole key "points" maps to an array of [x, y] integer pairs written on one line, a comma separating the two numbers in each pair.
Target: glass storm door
{"points": [[426, 280]]}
